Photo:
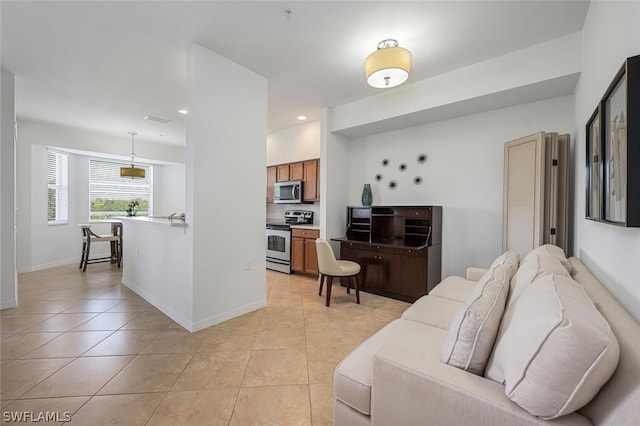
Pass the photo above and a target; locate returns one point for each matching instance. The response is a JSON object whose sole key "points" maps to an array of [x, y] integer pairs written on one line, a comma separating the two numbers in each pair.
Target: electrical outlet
{"points": [[247, 265], [137, 253]]}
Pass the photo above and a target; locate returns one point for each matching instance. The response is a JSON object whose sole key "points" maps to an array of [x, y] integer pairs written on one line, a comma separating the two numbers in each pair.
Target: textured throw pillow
{"points": [[531, 268], [509, 258], [550, 250], [473, 329], [557, 350]]}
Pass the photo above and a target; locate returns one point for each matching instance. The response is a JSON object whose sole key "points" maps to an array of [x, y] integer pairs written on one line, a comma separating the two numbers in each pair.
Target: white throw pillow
{"points": [[510, 258], [556, 351], [532, 267], [474, 328], [550, 250]]}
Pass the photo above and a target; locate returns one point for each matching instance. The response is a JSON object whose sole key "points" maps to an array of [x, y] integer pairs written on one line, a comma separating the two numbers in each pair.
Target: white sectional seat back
{"points": [[552, 346]]}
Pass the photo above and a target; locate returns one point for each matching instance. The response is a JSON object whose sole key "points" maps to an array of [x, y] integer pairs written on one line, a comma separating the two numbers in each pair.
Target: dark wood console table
{"points": [[398, 248]]}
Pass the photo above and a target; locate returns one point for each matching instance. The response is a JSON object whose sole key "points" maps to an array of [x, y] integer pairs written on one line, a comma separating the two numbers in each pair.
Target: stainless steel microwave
{"points": [[288, 192]]}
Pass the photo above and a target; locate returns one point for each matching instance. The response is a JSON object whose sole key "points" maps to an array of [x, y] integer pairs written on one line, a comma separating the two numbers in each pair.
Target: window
{"points": [[58, 188], [110, 194]]}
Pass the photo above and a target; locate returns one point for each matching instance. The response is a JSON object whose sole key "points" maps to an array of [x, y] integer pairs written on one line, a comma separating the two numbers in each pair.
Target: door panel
{"points": [[524, 165]]}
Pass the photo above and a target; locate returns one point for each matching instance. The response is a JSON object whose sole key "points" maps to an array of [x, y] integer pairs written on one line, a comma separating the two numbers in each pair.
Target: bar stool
{"points": [[89, 238]]}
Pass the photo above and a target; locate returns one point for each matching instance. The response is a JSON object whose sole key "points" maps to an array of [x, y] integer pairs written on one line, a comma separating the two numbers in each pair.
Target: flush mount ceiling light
{"points": [[133, 171], [389, 66], [301, 117]]}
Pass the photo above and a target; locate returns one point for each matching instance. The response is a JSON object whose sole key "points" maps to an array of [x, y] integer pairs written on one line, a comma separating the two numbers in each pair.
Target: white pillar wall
{"points": [[226, 157], [8, 279]]}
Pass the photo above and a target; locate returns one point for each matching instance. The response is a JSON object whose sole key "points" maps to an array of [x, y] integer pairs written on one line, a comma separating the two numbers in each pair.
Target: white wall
{"points": [[334, 178], [40, 245], [169, 189], [8, 287], [463, 173], [226, 184], [294, 143], [157, 266], [542, 71], [610, 35]]}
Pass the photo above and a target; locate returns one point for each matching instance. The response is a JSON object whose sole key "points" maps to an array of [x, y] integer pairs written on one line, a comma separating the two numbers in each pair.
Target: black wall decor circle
{"points": [[403, 167]]}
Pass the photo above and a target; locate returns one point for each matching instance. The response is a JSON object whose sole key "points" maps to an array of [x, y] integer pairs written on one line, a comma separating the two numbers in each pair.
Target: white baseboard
{"points": [[216, 319], [171, 313], [6, 304], [61, 262], [188, 324]]}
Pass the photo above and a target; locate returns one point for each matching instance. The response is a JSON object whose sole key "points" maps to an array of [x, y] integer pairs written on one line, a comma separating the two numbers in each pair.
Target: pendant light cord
{"points": [[133, 153]]}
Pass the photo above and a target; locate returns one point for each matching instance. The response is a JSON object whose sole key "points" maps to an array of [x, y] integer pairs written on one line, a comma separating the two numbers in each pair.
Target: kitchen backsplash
{"points": [[276, 211]]}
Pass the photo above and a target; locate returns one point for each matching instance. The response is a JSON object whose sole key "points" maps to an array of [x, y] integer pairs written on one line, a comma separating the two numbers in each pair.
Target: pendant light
{"points": [[133, 171], [389, 66]]}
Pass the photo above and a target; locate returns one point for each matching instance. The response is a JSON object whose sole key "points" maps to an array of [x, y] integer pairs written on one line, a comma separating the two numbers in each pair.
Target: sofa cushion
{"points": [[352, 378], [550, 250], [475, 326], [532, 267], [454, 288], [433, 310], [555, 364]]}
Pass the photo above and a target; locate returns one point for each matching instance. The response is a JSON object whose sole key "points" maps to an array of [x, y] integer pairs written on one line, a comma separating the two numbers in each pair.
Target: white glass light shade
{"points": [[388, 67]]}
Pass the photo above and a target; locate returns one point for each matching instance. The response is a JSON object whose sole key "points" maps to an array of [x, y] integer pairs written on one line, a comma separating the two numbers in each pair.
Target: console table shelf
{"points": [[398, 248]]}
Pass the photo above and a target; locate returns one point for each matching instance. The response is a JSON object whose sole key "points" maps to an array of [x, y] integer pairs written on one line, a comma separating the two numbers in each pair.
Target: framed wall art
{"points": [[594, 167], [613, 151]]}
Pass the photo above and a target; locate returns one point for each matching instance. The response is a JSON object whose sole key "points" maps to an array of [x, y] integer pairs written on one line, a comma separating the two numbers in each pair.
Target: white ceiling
{"points": [[105, 65]]}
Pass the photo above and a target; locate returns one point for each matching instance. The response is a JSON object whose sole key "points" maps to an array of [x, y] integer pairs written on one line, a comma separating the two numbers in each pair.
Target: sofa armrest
{"points": [[408, 389], [474, 274]]}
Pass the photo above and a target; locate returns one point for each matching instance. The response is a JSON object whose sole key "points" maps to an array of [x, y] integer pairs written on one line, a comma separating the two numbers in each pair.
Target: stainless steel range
{"points": [[279, 239]]}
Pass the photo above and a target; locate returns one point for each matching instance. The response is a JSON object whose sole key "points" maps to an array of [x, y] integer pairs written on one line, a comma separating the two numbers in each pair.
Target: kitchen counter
{"points": [[293, 225], [313, 226], [150, 220]]}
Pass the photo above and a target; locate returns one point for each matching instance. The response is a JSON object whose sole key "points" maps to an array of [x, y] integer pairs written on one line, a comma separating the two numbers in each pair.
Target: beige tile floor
{"points": [[84, 344]]}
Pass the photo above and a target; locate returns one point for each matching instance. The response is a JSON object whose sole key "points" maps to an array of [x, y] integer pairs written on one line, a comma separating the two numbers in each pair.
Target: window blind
{"points": [[57, 187], [110, 194]]}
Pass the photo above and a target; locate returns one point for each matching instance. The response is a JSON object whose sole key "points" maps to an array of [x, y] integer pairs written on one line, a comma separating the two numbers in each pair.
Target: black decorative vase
{"points": [[367, 198]]}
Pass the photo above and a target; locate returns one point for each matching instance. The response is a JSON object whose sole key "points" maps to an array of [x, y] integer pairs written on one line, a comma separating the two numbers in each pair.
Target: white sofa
{"points": [[397, 377]]}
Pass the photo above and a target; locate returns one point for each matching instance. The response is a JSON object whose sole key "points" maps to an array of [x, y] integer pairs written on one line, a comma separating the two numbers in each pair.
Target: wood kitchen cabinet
{"points": [[304, 257], [397, 247], [271, 180], [311, 179], [289, 172], [306, 171]]}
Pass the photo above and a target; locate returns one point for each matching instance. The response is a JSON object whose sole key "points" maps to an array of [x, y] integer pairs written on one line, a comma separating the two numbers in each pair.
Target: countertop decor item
{"points": [[132, 208], [133, 171], [367, 197]]}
